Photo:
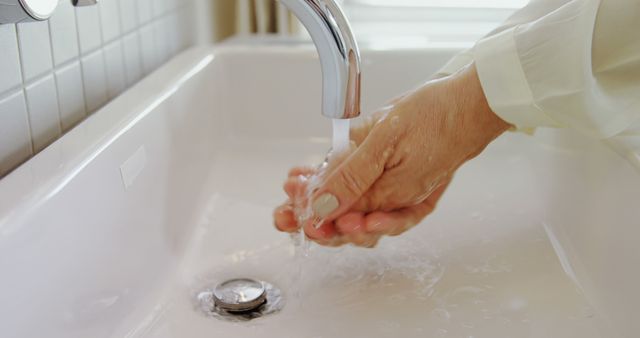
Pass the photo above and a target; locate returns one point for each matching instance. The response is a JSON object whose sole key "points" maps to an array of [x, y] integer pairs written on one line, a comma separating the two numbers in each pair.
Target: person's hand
{"points": [[400, 165], [358, 228]]}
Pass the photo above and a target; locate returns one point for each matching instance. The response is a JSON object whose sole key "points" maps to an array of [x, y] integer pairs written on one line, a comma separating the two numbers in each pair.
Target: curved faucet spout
{"points": [[339, 55]]}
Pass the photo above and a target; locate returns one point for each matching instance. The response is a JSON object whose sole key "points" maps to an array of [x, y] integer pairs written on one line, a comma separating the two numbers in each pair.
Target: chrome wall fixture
{"points": [[15, 11]]}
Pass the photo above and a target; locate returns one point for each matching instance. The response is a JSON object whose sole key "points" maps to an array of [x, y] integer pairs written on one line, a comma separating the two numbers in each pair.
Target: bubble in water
{"points": [[517, 304], [442, 313]]}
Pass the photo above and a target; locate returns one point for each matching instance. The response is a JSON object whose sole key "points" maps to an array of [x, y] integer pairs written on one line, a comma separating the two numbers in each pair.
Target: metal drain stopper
{"points": [[240, 295]]}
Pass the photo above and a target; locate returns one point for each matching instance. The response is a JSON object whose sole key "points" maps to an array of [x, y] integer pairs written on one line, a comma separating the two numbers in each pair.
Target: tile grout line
{"points": [[24, 93], [113, 42], [122, 38], [141, 25], [55, 80], [104, 62], [136, 30], [123, 34], [80, 57]]}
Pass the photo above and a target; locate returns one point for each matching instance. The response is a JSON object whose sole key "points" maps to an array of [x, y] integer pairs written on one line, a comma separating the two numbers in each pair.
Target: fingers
{"points": [[325, 234], [295, 186], [352, 227], [296, 181], [365, 230], [350, 223], [396, 222], [301, 171], [284, 218], [349, 181], [390, 192]]}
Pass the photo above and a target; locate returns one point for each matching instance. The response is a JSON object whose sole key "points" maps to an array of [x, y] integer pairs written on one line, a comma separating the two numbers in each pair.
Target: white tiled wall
{"points": [[55, 73]]}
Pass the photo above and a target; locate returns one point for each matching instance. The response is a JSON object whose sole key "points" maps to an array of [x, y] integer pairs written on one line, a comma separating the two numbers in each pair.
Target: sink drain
{"points": [[239, 300], [240, 295]]}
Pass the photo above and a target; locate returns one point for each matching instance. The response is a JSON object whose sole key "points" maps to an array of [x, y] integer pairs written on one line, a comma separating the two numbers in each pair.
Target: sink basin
{"points": [[114, 229]]}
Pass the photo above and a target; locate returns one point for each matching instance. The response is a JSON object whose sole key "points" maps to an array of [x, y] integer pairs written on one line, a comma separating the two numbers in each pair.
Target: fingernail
{"points": [[324, 205]]}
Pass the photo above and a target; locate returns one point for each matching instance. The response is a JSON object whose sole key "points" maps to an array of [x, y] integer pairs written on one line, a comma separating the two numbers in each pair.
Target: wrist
{"points": [[473, 104]]}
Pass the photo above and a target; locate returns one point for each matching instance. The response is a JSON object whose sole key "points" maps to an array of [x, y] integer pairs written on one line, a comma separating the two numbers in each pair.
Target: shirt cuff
{"points": [[505, 84], [456, 63]]}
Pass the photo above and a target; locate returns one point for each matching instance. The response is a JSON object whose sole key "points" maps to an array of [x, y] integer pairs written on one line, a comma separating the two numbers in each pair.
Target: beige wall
{"points": [[245, 17], [224, 14], [215, 20]]}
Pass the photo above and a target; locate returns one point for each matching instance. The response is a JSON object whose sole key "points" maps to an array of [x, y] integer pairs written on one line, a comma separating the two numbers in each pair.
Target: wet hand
{"points": [[402, 160], [358, 228]]}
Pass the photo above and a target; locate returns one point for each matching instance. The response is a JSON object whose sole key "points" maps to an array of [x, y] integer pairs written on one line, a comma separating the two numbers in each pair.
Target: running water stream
{"points": [[340, 143], [341, 134]]}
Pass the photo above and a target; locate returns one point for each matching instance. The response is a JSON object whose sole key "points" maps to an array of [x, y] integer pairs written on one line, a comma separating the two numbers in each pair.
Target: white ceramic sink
{"points": [[113, 230]]}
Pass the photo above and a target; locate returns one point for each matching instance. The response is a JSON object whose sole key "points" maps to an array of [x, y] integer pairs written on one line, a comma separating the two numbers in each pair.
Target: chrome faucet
{"points": [[339, 55], [338, 50]]}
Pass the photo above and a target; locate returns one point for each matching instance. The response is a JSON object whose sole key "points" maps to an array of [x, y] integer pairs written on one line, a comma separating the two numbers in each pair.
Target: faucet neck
{"points": [[339, 55]]}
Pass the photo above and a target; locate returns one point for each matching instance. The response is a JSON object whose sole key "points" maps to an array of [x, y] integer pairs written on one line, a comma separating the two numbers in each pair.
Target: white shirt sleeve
{"points": [[535, 9], [576, 65]]}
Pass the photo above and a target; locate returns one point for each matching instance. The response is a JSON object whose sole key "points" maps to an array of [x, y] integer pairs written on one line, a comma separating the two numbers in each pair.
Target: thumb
{"points": [[344, 186]]}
